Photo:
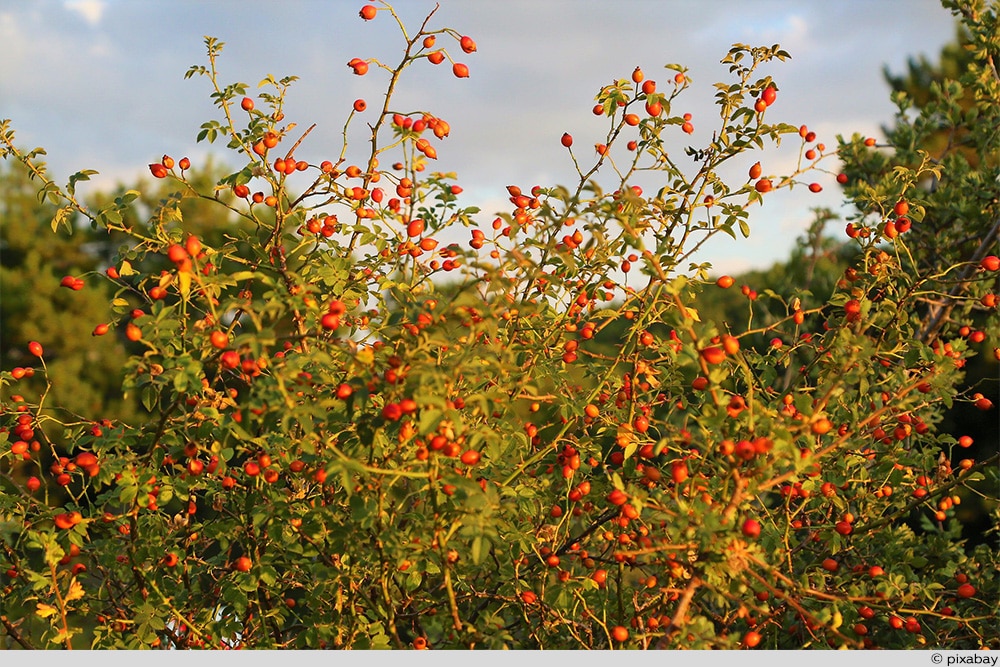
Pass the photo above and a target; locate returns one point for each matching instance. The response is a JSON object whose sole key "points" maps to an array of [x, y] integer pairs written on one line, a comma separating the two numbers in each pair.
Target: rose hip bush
{"points": [[377, 419]]}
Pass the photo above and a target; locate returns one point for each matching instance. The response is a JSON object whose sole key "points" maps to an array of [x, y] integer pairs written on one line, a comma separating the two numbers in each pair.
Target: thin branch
{"points": [[938, 314], [916, 502], [15, 635], [677, 622]]}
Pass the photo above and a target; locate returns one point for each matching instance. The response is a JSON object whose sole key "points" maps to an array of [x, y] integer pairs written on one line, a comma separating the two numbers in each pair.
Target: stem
{"points": [[62, 607], [939, 313], [14, 634], [677, 622], [178, 613], [916, 502]]}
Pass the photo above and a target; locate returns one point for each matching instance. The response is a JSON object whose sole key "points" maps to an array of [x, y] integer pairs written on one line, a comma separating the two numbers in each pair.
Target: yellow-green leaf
{"points": [[184, 282], [75, 591], [44, 610]]}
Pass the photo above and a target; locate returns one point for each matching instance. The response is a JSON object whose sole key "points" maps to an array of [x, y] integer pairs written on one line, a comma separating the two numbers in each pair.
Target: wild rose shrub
{"points": [[362, 434]]}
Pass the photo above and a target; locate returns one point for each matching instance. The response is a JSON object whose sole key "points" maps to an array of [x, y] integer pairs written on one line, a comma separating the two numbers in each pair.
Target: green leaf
{"points": [[128, 494], [148, 397], [62, 219], [268, 576], [479, 546], [77, 177]]}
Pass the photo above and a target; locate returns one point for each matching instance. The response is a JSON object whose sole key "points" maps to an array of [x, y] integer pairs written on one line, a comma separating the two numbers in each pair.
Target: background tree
{"points": [[33, 262], [921, 85]]}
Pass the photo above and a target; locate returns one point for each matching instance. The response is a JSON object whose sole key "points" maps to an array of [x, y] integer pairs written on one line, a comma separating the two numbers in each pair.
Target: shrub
{"points": [[364, 432]]}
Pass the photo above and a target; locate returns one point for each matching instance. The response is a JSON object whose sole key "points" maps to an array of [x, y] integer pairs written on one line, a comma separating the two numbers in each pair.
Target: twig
{"points": [[677, 622], [938, 314], [15, 635], [916, 502]]}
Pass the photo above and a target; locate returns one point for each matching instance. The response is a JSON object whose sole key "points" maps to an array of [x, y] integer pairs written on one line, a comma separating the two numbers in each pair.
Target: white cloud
{"points": [[7, 25], [11, 33], [792, 33], [91, 10]]}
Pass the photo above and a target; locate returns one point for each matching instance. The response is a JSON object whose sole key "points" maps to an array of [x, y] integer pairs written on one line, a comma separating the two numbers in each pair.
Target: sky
{"points": [[100, 83]]}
